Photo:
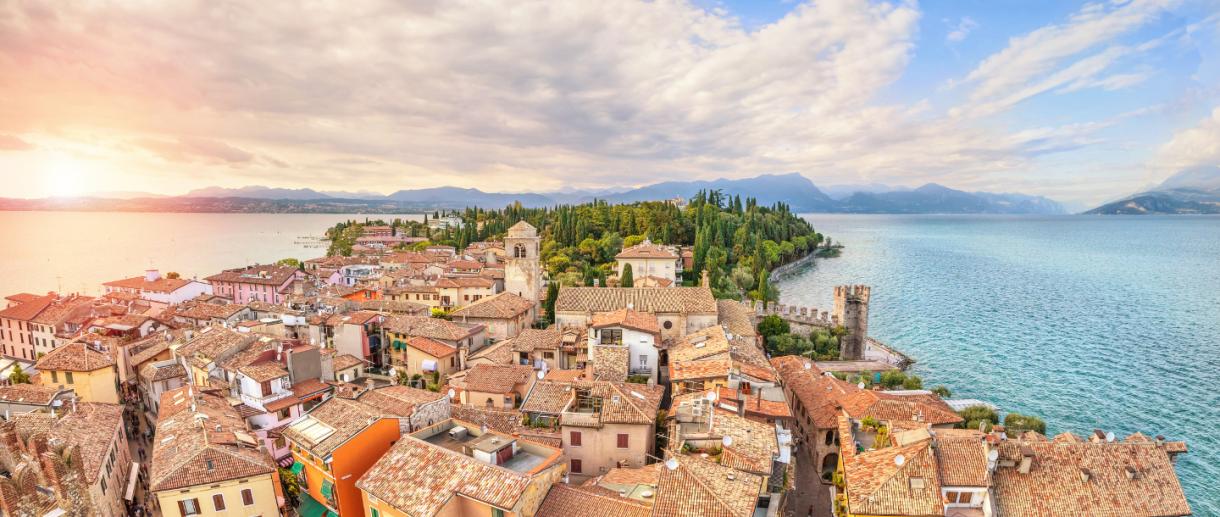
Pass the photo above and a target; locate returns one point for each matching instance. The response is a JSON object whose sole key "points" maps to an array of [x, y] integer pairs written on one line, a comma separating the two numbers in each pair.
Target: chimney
{"points": [[368, 384], [152, 275], [1085, 475], [703, 280], [1027, 459], [1132, 474], [1160, 440]]}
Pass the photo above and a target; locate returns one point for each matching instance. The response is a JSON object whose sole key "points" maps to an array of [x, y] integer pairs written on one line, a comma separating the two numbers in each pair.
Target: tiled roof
{"points": [[626, 403], [419, 478], [345, 361], [475, 281], [530, 340], [153, 373], [57, 312], [160, 285], [304, 388], [757, 405], [702, 488], [753, 444], [819, 394], [505, 305], [398, 400], [569, 501], [92, 427], [213, 343], [878, 483], [464, 264], [434, 328], [186, 453], [647, 250], [886, 407], [733, 315], [548, 397], [347, 417], [627, 318], [1056, 485], [497, 378], [257, 274], [500, 352], [27, 310], [702, 369], [704, 343], [75, 357], [962, 458], [33, 394], [150, 346], [685, 300], [207, 311], [646, 475], [430, 346]]}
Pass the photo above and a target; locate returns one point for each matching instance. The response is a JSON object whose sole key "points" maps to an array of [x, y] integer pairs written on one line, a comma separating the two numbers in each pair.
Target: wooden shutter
{"points": [[574, 439], [247, 497], [219, 501], [576, 467], [622, 441], [182, 508]]}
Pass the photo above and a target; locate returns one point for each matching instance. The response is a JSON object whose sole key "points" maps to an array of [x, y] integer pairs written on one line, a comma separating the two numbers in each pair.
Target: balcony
{"points": [[580, 419], [640, 370]]}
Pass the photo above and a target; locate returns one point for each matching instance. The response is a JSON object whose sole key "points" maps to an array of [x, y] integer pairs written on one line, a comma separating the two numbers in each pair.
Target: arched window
{"points": [[490, 403], [830, 437], [519, 251]]}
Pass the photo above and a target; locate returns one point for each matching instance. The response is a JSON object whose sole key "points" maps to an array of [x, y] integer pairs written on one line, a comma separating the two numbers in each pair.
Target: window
{"points": [[643, 359], [612, 336], [188, 507], [668, 325], [576, 467], [574, 438], [219, 501], [622, 441], [375, 512], [68, 377], [959, 497], [287, 412], [103, 485], [266, 387], [54, 376], [247, 497]]}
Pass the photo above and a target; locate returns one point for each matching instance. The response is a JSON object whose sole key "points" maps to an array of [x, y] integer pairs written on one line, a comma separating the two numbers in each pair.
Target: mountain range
{"points": [[1190, 191], [795, 190]]}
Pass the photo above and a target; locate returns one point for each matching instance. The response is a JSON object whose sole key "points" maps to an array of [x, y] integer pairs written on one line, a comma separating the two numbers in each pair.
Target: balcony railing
{"points": [[640, 370]]}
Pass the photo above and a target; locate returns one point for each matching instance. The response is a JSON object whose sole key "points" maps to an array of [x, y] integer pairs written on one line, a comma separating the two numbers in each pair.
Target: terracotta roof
{"points": [[398, 400], [58, 311], [257, 274], [431, 347], [500, 352], [962, 458], [497, 378], [346, 417], [92, 427], [150, 346], [818, 394], [757, 405], [530, 340], [733, 315], [505, 305], [627, 318], [702, 369], [160, 285], [345, 361], [75, 357], [464, 264], [548, 397], [878, 484], [565, 375], [647, 250], [188, 454], [685, 300], [703, 488], [475, 281], [569, 501], [646, 475], [207, 311], [32, 394], [625, 403], [214, 342], [28, 309], [304, 388], [887, 406], [1124, 480], [708, 342], [434, 328], [419, 478], [154, 373]]}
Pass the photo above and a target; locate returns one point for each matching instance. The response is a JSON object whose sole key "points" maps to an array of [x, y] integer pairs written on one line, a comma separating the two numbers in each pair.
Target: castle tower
{"points": [[851, 311], [523, 272]]}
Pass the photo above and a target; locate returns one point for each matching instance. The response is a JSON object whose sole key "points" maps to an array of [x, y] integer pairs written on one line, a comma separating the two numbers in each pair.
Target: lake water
{"points": [[74, 252], [1106, 323]]}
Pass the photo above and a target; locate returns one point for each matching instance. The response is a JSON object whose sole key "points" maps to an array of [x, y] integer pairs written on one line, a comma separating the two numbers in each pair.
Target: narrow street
{"points": [[809, 492]]}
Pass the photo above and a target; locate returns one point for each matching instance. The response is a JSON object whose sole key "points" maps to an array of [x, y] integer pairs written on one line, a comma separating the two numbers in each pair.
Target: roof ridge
{"points": [[704, 485]]}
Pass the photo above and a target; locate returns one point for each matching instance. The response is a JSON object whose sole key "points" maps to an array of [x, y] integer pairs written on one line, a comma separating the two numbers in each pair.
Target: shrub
{"points": [[976, 414], [1016, 423], [942, 391], [773, 325], [893, 379], [912, 382]]}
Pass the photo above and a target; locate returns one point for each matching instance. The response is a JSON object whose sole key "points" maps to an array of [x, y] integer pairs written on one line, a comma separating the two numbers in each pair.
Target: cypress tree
{"points": [[628, 280]]}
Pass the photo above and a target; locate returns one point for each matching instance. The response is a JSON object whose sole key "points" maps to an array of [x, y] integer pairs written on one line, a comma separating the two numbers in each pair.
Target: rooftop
{"points": [[201, 439], [505, 305], [657, 300], [75, 357], [647, 250]]}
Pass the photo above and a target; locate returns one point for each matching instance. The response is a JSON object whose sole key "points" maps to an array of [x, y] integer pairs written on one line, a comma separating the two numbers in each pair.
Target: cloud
{"points": [[963, 28], [13, 143], [534, 95], [1198, 145], [196, 150]]}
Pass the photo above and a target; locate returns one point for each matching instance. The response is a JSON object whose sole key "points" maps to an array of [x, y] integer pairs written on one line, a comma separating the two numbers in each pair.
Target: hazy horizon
{"points": [[1079, 102]]}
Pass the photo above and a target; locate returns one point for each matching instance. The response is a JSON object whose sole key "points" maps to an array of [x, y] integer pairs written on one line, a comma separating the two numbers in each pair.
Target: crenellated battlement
{"points": [[792, 313]]}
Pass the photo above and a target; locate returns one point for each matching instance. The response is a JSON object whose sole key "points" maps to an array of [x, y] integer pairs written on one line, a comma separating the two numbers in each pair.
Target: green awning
{"points": [[297, 467], [310, 507], [328, 489]]}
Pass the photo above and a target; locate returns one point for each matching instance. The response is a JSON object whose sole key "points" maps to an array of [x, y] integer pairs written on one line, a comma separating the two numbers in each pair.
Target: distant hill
{"points": [[793, 189], [1190, 191], [938, 199]]}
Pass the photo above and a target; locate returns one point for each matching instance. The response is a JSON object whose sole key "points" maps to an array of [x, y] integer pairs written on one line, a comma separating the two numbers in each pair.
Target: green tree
{"points": [[173, 275], [893, 379], [291, 485], [912, 382], [942, 391], [17, 376], [974, 416], [773, 325], [289, 262], [1016, 423], [628, 280], [548, 303]]}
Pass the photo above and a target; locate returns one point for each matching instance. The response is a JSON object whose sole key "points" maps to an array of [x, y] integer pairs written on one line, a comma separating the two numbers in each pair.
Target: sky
{"points": [[1080, 102]]}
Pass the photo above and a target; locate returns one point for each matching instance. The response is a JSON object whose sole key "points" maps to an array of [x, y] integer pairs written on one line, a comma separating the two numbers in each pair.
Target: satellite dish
{"points": [[452, 393], [808, 366], [1110, 436], [861, 385], [993, 455], [899, 460], [727, 441], [541, 374], [671, 464], [711, 396], [393, 372]]}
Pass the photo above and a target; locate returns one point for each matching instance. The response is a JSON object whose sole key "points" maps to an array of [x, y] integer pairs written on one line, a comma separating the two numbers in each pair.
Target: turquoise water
{"points": [[1089, 322]]}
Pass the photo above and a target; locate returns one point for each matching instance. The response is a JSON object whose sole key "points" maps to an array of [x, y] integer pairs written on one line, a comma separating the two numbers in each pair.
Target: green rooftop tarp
{"points": [[297, 467], [310, 507], [328, 489]]}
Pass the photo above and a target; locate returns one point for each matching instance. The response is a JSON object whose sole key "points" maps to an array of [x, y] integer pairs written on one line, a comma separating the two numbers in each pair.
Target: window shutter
{"points": [[219, 501], [622, 441], [575, 438], [182, 508], [247, 497], [576, 467]]}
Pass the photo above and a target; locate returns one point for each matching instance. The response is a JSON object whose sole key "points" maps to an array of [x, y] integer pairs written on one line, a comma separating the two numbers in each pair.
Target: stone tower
{"points": [[523, 272], [851, 311]]}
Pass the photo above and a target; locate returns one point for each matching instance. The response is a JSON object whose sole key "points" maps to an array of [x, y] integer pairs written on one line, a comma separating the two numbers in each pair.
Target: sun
{"points": [[66, 176]]}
